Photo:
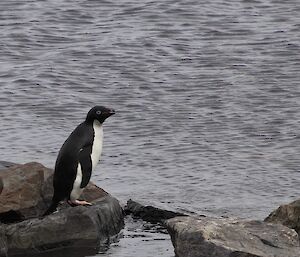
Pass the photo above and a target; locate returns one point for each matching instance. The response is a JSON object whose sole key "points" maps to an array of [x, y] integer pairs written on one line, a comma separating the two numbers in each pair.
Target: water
{"points": [[207, 96]]}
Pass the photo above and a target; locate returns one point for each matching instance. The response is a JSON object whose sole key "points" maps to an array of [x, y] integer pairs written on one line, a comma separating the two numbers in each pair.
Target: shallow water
{"points": [[207, 97]]}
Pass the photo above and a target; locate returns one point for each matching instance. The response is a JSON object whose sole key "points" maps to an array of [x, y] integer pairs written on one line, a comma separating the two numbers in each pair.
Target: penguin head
{"points": [[99, 113]]}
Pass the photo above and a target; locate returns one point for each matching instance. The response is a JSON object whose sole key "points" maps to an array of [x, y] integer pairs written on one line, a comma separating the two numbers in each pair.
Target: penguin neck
{"points": [[93, 123], [97, 143], [96, 123]]}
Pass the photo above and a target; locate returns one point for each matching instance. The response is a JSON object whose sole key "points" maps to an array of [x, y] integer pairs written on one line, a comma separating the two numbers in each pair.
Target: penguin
{"points": [[77, 159]]}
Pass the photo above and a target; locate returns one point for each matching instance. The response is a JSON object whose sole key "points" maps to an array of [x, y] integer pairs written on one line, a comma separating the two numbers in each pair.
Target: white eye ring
{"points": [[98, 112]]}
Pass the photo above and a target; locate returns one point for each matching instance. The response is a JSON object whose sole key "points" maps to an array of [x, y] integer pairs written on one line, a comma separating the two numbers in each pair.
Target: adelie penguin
{"points": [[77, 159]]}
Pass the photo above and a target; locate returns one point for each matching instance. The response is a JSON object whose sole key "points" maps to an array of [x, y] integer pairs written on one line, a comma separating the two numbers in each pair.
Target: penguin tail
{"points": [[52, 208]]}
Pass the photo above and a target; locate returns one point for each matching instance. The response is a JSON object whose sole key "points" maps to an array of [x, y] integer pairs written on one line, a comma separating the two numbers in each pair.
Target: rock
{"points": [[288, 215], [27, 193], [79, 227], [3, 244], [22, 190], [212, 237], [149, 213]]}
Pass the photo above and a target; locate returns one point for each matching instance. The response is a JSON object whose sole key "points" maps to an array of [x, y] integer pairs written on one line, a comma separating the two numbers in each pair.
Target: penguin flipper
{"points": [[86, 165]]}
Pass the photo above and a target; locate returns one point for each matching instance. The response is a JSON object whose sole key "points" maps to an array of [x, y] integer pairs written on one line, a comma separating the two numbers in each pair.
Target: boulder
{"points": [[149, 213], [288, 215], [21, 196], [74, 228], [27, 193], [213, 237]]}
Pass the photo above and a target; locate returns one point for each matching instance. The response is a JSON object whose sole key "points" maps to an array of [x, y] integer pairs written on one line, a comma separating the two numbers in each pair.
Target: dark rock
{"points": [[288, 215], [3, 245], [27, 193], [212, 237], [79, 227], [11, 217], [149, 213]]}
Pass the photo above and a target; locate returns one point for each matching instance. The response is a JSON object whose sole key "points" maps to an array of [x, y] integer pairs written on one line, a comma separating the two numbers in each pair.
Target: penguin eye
{"points": [[98, 112]]}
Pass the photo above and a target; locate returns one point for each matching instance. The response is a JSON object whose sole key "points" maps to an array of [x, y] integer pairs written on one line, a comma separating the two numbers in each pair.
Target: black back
{"points": [[76, 149]]}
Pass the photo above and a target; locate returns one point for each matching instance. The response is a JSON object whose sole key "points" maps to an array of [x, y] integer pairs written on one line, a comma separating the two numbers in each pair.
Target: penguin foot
{"points": [[78, 202]]}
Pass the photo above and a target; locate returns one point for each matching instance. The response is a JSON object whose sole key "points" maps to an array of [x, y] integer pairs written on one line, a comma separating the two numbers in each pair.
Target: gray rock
{"points": [[149, 213], [3, 244], [288, 215], [27, 193], [212, 237], [79, 227]]}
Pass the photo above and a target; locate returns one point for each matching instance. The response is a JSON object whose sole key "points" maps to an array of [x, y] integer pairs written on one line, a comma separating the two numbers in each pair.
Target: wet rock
{"points": [[212, 237], [149, 213], [288, 215], [27, 193]]}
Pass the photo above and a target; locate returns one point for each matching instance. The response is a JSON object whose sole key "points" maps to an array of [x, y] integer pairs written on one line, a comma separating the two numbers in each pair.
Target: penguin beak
{"points": [[111, 112]]}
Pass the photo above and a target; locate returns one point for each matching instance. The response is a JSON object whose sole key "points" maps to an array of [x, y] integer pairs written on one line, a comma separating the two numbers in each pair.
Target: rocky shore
{"points": [[26, 191], [200, 236], [219, 237], [26, 194]]}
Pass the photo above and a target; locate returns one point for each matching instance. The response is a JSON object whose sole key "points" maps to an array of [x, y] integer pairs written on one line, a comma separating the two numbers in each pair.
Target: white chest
{"points": [[97, 144], [77, 190]]}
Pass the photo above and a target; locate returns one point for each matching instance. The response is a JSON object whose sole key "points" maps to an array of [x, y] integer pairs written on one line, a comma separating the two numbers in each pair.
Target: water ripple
{"points": [[206, 93]]}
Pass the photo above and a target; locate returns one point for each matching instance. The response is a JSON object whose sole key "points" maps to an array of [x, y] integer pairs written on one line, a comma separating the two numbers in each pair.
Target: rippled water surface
{"points": [[207, 96]]}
